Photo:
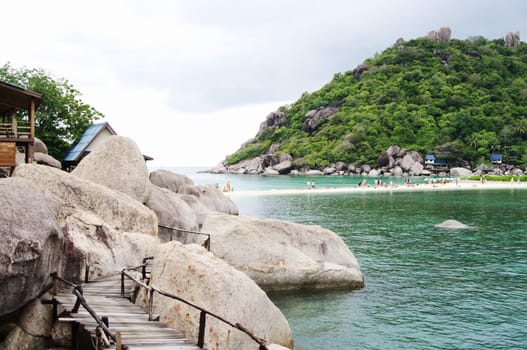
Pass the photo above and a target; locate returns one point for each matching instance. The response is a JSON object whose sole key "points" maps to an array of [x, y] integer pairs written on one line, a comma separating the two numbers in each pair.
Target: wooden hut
{"points": [[17, 122]]}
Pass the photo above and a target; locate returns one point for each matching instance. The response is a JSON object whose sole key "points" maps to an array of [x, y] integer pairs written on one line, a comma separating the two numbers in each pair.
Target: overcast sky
{"points": [[190, 81]]}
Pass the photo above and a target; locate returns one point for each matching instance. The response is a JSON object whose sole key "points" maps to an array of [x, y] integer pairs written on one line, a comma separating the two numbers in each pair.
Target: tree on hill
{"points": [[462, 99], [62, 116]]}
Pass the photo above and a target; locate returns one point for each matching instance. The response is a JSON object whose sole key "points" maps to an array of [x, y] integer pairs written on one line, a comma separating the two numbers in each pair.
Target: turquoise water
{"points": [[426, 288]]}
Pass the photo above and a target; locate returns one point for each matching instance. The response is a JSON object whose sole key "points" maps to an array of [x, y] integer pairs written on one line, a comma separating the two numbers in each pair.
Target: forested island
{"points": [[460, 100]]}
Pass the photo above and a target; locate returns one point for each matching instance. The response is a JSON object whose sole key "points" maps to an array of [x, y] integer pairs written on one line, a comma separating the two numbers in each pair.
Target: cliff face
{"points": [[458, 99]]}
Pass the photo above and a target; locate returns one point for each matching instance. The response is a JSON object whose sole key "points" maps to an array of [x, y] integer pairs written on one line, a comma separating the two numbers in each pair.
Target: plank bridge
{"points": [[113, 321]]}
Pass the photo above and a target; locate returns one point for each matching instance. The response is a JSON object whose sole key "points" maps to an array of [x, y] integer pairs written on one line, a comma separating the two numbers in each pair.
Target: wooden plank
{"points": [[7, 154]]}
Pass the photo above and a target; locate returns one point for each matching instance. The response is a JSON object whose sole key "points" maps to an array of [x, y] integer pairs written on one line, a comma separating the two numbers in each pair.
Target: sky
{"points": [[190, 81]]}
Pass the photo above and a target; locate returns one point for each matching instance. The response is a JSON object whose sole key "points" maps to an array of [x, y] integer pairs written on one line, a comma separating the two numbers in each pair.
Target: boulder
{"points": [[172, 210], [273, 120], [32, 242], [221, 168], [17, 339], [112, 207], [229, 293], [37, 319], [416, 169], [315, 117], [117, 163], [46, 159], [213, 199], [393, 151], [169, 180], [283, 167], [341, 166], [365, 168], [39, 146], [280, 255], [397, 171], [385, 161], [374, 173], [512, 39], [330, 170], [406, 162], [453, 224], [460, 172], [313, 172], [271, 171]]}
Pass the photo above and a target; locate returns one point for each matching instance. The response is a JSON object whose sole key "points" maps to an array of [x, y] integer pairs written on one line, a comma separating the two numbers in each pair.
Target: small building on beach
{"points": [[496, 158]]}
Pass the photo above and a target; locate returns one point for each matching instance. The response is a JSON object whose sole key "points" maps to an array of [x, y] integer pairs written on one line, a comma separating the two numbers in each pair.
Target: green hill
{"points": [[461, 100]]}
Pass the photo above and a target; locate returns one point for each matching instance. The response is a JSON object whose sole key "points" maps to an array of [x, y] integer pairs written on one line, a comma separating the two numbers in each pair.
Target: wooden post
{"points": [[118, 341], [201, 335], [32, 118]]}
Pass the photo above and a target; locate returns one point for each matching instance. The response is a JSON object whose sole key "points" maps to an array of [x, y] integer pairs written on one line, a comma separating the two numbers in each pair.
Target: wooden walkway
{"points": [[137, 332]]}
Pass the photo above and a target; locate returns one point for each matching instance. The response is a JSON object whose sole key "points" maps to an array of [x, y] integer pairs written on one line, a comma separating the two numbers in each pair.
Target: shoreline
{"points": [[462, 185]]}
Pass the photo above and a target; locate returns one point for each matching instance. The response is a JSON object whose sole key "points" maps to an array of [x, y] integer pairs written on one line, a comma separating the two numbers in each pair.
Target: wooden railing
{"points": [[103, 334], [15, 130], [175, 232], [150, 289]]}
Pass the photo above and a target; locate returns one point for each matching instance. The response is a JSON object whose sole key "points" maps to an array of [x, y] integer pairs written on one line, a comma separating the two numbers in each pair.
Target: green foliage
{"points": [[472, 105], [62, 116], [502, 178]]}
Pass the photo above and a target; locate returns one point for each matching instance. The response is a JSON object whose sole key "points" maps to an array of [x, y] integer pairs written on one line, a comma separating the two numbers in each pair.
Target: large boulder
{"points": [[32, 242], [117, 163], [169, 180], [171, 209], [315, 117], [113, 207], [229, 293], [280, 255], [214, 199], [460, 172]]}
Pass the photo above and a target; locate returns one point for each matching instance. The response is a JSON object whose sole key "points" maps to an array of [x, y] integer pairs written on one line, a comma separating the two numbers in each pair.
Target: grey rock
{"points": [[416, 169], [341, 166], [273, 120], [117, 163], [169, 180], [397, 171], [313, 172], [39, 146], [17, 339], [460, 172], [280, 255], [452, 224], [374, 173], [228, 292], [46, 159], [393, 151], [32, 238], [271, 171], [315, 117], [283, 167], [512, 39], [329, 171], [37, 319], [218, 169]]}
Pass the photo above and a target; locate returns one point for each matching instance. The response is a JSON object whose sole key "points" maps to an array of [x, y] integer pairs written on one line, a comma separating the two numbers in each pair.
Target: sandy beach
{"points": [[461, 185]]}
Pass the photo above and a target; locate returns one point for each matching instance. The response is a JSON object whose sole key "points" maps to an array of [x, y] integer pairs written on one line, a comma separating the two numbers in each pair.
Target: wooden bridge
{"points": [[130, 323], [112, 320]]}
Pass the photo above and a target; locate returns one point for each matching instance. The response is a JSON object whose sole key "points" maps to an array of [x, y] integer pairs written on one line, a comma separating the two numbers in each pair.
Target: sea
{"points": [[425, 287]]}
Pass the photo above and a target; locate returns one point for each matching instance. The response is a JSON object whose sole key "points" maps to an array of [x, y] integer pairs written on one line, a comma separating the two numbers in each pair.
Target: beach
{"points": [[449, 186]]}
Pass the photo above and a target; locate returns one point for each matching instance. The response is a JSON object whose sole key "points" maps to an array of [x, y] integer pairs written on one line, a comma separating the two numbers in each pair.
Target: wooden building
{"points": [[17, 122]]}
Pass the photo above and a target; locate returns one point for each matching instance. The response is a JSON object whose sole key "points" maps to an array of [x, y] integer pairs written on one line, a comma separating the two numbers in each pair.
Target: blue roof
{"points": [[430, 157], [496, 156], [87, 137]]}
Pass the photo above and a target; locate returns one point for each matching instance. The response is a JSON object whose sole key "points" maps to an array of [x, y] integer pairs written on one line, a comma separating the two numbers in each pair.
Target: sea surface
{"points": [[426, 288]]}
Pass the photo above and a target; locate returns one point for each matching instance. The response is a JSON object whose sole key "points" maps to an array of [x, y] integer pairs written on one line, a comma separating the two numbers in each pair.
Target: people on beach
{"points": [[308, 183]]}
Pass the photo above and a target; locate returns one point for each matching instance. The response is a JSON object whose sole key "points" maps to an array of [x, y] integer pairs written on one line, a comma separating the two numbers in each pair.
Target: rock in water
{"points": [[280, 255], [453, 224]]}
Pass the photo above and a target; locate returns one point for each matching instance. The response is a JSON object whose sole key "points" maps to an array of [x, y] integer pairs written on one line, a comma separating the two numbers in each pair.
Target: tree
{"points": [[62, 116]]}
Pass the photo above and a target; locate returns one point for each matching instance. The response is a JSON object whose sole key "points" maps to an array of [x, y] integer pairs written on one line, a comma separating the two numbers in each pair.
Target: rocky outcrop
{"points": [[279, 255], [512, 39], [274, 120], [169, 180], [115, 157], [229, 293], [443, 34], [315, 117], [32, 242]]}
